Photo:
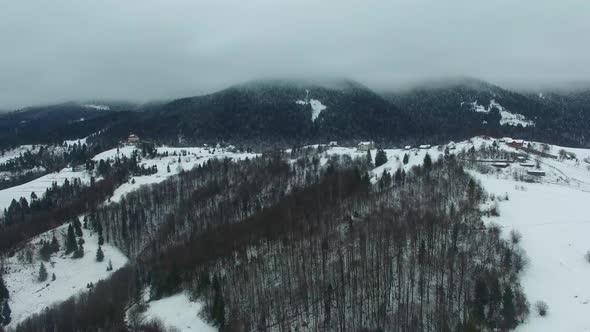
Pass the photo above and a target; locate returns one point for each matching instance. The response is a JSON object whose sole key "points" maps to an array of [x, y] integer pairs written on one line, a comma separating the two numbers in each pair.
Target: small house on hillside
{"points": [[333, 143], [408, 147], [425, 146], [535, 172], [516, 143], [500, 164], [366, 146], [132, 139]]}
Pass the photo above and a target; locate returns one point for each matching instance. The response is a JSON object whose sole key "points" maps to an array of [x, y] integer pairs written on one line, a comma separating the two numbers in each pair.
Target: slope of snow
{"points": [[316, 107], [29, 296], [80, 141], [555, 226], [189, 158], [14, 153], [179, 312], [126, 150], [97, 107], [40, 185], [507, 118]]}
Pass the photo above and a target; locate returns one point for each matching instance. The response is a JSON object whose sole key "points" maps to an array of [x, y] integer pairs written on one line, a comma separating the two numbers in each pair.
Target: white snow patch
{"points": [[29, 296], [40, 185], [316, 107], [507, 118], [97, 107], [189, 158], [179, 312], [555, 228], [16, 152]]}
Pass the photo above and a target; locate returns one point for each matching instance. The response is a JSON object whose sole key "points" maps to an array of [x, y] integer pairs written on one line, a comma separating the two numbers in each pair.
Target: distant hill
{"points": [[464, 107], [291, 112]]}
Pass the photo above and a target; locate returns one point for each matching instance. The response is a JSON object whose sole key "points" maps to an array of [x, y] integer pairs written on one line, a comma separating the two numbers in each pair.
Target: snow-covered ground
{"points": [[179, 312], [552, 216], [507, 117], [40, 185], [29, 296], [316, 107], [14, 153], [189, 158], [98, 107], [555, 225]]}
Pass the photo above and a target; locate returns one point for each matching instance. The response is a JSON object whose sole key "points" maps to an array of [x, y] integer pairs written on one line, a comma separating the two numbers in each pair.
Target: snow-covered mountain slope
{"points": [[550, 211], [507, 118], [171, 161], [38, 186], [178, 312], [14, 153], [316, 107], [29, 296]]}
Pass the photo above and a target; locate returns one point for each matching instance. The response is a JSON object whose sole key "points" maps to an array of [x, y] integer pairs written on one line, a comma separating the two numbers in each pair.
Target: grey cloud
{"points": [[141, 50]]}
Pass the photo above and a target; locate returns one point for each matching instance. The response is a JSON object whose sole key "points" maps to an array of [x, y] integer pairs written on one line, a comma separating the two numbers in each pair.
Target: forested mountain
{"points": [[460, 108], [291, 112], [282, 112], [55, 123], [273, 245]]}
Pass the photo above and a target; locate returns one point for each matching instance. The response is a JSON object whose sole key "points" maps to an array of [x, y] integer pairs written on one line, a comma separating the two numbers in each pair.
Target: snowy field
{"points": [[178, 312], [189, 158], [38, 186], [555, 225], [13, 153], [29, 296]]}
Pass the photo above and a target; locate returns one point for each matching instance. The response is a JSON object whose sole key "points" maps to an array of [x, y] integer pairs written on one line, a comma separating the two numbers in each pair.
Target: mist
{"points": [[53, 51]]}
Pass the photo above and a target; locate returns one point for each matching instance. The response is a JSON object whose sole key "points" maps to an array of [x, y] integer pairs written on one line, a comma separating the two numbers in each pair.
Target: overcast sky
{"points": [[59, 50]]}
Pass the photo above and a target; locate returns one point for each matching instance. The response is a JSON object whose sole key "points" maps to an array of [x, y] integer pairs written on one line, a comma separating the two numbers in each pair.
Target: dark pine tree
{"points": [[54, 244], [380, 158], [406, 158], [71, 244], [42, 273], [5, 317], [4, 294], [99, 255], [427, 162]]}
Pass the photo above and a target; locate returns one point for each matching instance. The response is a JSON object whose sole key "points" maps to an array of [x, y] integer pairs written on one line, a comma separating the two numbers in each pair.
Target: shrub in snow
{"points": [[515, 236], [587, 256], [542, 308]]}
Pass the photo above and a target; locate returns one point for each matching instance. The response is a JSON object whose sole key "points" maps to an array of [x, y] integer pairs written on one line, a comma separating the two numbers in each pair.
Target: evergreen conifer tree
{"points": [[380, 158], [4, 294], [42, 273], [5, 318], [99, 255], [71, 244], [54, 244]]}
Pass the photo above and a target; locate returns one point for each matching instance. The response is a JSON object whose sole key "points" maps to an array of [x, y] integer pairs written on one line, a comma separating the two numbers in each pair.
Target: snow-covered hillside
{"points": [[28, 295], [171, 161], [14, 153], [179, 312], [550, 212], [38, 186], [316, 107], [507, 118]]}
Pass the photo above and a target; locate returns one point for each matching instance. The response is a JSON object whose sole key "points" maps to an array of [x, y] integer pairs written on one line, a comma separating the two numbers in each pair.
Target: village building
{"points": [[366, 146], [535, 172], [425, 146], [132, 139]]}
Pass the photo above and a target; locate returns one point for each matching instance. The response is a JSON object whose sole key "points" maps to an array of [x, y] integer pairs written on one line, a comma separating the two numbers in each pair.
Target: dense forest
{"points": [[291, 241], [278, 113]]}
